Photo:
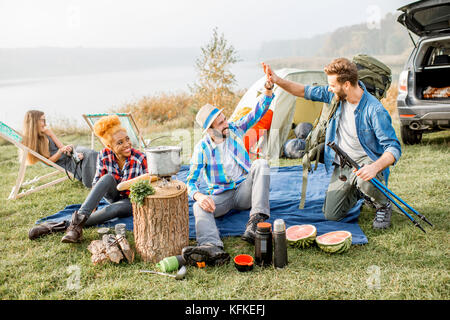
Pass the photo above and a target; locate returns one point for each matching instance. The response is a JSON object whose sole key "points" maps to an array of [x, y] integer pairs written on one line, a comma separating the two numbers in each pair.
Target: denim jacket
{"points": [[373, 124]]}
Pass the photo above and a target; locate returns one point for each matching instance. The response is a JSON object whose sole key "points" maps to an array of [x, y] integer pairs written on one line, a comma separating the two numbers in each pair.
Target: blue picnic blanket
{"points": [[285, 189]]}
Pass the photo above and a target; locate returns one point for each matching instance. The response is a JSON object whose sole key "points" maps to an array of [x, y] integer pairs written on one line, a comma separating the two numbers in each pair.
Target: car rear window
{"points": [[433, 18], [439, 56]]}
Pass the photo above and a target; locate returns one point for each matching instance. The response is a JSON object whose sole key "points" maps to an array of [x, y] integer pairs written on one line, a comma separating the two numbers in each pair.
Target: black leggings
{"points": [[106, 187]]}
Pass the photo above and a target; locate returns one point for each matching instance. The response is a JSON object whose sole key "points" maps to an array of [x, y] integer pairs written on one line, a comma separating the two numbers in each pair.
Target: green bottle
{"points": [[170, 264]]}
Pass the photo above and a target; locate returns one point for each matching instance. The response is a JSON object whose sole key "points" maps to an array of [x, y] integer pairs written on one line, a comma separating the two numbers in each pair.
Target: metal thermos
{"points": [[280, 259], [263, 244]]}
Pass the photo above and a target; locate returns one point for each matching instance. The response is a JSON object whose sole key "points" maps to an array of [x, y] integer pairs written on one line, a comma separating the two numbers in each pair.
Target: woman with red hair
{"points": [[116, 163]]}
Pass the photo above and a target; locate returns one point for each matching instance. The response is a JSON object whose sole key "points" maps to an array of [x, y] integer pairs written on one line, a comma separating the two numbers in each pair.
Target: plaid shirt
{"points": [[135, 165], [206, 155]]}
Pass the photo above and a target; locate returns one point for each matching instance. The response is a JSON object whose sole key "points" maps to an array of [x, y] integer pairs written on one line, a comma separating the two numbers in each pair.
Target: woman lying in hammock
{"points": [[40, 138], [118, 162]]}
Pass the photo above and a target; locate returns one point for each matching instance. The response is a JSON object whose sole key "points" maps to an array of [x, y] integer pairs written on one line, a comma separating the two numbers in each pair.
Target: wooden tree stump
{"points": [[161, 225]]}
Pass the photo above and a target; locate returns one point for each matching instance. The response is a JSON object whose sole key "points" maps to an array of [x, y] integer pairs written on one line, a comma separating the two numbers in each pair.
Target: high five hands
{"points": [[271, 76]]}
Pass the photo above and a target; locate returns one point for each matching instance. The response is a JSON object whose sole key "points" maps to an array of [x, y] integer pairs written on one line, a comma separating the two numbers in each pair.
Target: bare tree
{"points": [[215, 80]]}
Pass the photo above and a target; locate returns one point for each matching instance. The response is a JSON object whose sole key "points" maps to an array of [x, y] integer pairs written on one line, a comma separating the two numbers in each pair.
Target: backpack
{"points": [[377, 78], [375, 75]]}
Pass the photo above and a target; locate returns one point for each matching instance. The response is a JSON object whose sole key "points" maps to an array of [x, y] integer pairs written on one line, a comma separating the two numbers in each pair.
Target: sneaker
{"points": [[209, 254], [250, 229], [383, 217]]}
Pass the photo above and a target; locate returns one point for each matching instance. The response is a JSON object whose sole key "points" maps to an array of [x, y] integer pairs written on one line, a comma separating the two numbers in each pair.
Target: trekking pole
{"points": [[352, 163], [421, 216], [398, 206]]}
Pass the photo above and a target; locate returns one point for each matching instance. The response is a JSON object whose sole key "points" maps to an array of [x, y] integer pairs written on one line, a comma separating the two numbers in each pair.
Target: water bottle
{"points": [[280, 259], [170, 264], [263, 244]]}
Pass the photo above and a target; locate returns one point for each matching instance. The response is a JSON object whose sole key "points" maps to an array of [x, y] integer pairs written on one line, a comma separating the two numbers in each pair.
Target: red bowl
{"points": [[243, 262]]}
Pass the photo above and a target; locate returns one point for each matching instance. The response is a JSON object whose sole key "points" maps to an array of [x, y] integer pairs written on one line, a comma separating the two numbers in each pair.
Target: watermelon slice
{"points": [[335, 242], [301, 236]]}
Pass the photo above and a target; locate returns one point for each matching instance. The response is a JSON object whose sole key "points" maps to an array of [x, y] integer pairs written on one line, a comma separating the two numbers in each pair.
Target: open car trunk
{"points": [[426, 17], [433, 84], [432, 70]]}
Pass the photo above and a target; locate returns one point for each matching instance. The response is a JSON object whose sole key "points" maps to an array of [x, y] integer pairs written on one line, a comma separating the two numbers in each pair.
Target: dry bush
{"points": [[3, 142], [160, 109], [61, 125], [390, 102], [227, 101], [167, 111]]}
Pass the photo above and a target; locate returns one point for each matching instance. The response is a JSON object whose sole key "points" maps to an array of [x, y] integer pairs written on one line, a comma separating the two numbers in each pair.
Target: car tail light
{"points": [[403, 82]]}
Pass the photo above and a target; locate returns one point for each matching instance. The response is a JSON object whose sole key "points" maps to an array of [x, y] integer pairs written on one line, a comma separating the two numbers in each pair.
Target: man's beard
{"points": [[221, 134], [341, 96]]}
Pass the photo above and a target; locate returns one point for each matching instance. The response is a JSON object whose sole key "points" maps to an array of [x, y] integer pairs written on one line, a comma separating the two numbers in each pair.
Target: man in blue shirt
{"points": [[361, 127]]}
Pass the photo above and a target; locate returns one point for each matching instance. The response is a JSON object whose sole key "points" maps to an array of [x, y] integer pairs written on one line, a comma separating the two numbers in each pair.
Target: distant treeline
{"points": [[47, 61], [391, 38]]}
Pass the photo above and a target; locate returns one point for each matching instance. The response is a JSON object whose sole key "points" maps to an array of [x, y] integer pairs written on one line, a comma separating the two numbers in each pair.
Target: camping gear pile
{"points": [[295, 148], [434, 93]]}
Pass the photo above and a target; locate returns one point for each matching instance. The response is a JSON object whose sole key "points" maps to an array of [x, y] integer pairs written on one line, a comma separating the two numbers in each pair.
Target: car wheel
{"points": [[410, 136]]}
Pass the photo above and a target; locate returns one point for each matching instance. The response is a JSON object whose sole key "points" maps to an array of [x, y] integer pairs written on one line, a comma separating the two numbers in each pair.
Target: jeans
{"points": [[85, 170], [88, 165], [252, 193], [119, 207]]}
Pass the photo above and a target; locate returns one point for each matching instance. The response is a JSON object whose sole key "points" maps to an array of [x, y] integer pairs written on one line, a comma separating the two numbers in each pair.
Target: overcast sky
{"points": [[177, 23]]}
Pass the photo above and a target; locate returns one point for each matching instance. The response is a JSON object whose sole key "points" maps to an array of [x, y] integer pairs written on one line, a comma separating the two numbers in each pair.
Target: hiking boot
{"points": [[383, 217], [75, 230], [250, 228], [47, 228], [209, 254]]}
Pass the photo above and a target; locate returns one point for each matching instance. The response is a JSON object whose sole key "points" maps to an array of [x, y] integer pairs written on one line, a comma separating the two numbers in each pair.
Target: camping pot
{"points": [[163, 161]]}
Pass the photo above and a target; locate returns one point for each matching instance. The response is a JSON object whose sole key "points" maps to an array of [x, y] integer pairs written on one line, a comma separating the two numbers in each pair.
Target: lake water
{"points": [[69, 97]]}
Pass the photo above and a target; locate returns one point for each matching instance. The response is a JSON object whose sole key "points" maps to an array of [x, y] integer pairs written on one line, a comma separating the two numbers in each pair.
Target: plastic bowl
{"points": [[243, 262]]}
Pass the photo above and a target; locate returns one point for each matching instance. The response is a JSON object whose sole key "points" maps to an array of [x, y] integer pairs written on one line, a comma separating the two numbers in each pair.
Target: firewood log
{"points": [[126, 249], [98, 250], [112, 249]]}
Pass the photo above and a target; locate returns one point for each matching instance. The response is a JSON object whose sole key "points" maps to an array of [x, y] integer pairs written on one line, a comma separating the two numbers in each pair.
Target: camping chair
{"points": [[127, 122], [13, 136]]}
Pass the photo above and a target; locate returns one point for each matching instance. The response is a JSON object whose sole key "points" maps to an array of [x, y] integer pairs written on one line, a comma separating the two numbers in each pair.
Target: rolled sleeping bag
{"points": [[294, 148], [302, 130]]}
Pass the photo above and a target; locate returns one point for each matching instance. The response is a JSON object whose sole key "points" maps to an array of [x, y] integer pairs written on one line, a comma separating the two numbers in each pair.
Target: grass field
{"points": [[407, 263]]}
